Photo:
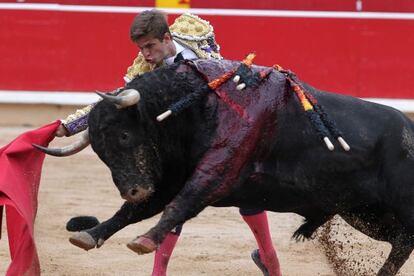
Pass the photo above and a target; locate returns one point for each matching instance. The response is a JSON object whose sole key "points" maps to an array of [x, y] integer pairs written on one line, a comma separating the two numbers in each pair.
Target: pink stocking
{"points": [[259, 226], [163, 254]]}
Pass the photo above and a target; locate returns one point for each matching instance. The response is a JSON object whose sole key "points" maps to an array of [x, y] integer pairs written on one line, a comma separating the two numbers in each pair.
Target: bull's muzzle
{"points": [[136, 195]]}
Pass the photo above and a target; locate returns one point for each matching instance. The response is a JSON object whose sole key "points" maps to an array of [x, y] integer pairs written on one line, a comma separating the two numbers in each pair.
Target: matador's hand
{"points": [[61, 131]]}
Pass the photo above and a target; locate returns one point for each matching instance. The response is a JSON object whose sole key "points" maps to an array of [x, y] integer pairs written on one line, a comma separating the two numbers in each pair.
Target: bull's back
{"points": [[300, 159], [363, 124]]}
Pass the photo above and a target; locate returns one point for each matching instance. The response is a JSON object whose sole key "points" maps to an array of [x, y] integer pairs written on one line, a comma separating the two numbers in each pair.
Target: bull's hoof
{"points": [[142, 245], [81, 223], [256, 259], [83, 240]]}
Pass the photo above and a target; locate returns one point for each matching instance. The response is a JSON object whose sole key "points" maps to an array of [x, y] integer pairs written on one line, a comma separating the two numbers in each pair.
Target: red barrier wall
{"points": [[87, 51], [313, 5], [50, 50]]}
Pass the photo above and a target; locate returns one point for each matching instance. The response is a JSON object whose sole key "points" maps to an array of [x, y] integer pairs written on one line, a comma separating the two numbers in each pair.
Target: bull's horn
{"points": [[124, 99], [76, 147]]}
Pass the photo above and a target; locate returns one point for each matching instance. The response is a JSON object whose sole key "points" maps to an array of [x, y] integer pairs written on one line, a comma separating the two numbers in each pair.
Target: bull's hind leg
{"points": [[400, 252], [401, 195], [381, 224]]}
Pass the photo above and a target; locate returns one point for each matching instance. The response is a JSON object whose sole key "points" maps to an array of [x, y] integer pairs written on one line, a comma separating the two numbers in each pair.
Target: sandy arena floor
{"points": [[217, 242]]}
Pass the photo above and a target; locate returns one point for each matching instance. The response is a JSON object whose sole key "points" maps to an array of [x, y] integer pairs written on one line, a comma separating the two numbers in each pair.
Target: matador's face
{"points": [[155, 50]]}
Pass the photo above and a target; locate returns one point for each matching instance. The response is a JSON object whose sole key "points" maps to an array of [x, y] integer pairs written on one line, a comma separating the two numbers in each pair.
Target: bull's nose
{"points": [[136, 194], [131, 195]]}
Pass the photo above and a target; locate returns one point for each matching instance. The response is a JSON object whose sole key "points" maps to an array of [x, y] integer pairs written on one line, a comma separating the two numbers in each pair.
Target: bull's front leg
{"points": [[188, 204], [214, 179], [128, 214]]}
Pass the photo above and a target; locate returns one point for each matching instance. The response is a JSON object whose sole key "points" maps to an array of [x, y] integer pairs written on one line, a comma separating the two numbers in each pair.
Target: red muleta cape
{"points": [[20, 170]]}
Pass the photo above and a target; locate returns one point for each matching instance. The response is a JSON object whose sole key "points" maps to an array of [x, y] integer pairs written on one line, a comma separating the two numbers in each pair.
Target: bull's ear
{"points": [[142, 114], [138, 112], [124, 99]]}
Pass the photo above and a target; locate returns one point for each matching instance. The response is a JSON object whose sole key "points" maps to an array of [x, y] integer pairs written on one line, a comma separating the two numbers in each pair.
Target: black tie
{"points": [[178, 57]]}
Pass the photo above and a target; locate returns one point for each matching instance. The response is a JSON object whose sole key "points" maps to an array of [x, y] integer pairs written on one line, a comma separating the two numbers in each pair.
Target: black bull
{"points": [[253, 149]]}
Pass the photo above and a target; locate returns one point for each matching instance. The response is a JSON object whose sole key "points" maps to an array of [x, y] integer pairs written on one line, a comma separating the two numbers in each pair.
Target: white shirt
{"points": [[185, 52]]}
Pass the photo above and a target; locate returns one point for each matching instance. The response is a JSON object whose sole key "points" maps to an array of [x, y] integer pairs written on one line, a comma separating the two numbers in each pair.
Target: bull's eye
{"points": [[124, 136]]}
